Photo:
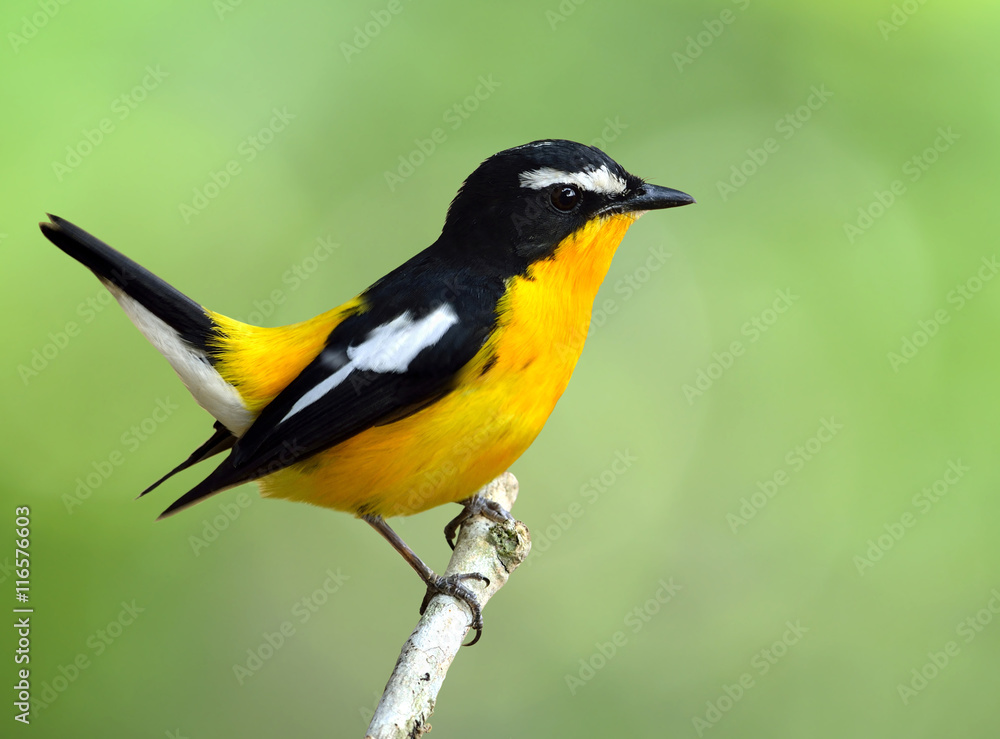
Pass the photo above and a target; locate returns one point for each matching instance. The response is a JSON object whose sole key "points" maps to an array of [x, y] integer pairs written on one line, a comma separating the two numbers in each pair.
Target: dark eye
{"points": [[565, 197]]}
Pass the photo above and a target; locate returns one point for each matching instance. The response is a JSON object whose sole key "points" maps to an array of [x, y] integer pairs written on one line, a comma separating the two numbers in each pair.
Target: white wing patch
{"points": [[601, 180], [211, 392], [319, 390], [389, 348]]}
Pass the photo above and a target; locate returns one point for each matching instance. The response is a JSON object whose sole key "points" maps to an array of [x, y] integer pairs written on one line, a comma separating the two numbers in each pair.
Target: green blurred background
{"points": [[805, 524]]}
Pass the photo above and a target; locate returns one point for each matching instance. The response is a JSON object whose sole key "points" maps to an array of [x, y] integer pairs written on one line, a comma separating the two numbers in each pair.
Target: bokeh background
{"points": [[766, 505]]}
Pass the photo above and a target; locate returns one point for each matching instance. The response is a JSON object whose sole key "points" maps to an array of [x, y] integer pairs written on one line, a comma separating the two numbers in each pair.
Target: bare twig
{"points": [[491, 549]]}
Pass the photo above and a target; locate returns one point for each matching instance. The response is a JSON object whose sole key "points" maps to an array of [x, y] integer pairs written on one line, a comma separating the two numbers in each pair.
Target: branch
{"points": [[492, 549]]}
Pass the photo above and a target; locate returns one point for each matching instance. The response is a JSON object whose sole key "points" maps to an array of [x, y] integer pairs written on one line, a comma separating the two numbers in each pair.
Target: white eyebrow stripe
{"points": [[389, 348], [601, 180]]}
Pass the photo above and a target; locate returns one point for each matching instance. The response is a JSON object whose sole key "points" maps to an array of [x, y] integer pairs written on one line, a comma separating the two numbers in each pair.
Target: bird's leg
{"points": [[449, 585], [477, 505]]}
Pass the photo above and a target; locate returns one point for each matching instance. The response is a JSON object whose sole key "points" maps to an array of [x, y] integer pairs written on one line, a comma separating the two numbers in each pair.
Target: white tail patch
{"points": [[211, 392]]}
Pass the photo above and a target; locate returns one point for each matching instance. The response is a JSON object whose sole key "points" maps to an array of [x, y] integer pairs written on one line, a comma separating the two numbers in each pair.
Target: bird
{"points": [[426, 385]]}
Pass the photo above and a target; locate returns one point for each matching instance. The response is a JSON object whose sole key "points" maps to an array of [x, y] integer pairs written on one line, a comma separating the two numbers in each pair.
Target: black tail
{"points": [[220, 441], [222, 478], [177, 326], [165, 302]]}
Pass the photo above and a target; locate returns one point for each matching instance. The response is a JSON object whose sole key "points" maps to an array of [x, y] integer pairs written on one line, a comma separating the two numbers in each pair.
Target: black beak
{"points": [[650, 197], [654, 197]]}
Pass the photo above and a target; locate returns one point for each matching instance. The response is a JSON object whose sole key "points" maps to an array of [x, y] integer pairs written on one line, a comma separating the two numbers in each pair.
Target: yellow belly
{"points": [[450, 449]]}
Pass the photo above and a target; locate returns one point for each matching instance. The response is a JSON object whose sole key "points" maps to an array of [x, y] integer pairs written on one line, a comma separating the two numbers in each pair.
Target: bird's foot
{"points": [[452, 585], [477, 505]]}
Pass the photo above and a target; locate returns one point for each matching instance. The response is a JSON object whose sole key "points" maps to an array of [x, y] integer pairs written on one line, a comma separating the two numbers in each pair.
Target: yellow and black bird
{"points": [[371, 407]]}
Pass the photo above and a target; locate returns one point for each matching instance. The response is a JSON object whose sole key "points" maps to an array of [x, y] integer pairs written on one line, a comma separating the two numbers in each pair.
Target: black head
{"points": [[524, 201]]}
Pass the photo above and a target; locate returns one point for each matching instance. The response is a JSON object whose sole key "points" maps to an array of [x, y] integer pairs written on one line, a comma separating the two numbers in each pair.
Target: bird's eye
{"points": [[565, 197]]}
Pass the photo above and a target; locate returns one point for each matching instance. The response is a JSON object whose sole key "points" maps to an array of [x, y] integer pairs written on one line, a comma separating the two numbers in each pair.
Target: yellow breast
{"points": [[450, 449]]}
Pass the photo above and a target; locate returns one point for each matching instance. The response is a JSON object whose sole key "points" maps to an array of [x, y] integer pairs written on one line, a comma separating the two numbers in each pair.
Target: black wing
{"points": [[370, 373]]}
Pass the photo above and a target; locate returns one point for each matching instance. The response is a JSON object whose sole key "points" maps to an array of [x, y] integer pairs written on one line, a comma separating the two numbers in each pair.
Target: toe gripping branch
{"points": [[451, 585], [477, 505]]}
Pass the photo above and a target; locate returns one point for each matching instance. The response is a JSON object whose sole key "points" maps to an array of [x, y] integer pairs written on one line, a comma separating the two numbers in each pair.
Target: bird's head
{"points": [[523, 202]]}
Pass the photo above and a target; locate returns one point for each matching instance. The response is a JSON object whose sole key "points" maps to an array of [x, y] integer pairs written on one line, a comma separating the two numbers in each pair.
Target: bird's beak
{"points": [[654, 197], [648, 197]]}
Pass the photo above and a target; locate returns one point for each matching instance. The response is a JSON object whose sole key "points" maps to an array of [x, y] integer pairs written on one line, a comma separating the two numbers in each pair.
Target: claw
{"points": [[451, 585], [448, 585], [477, 505]]}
